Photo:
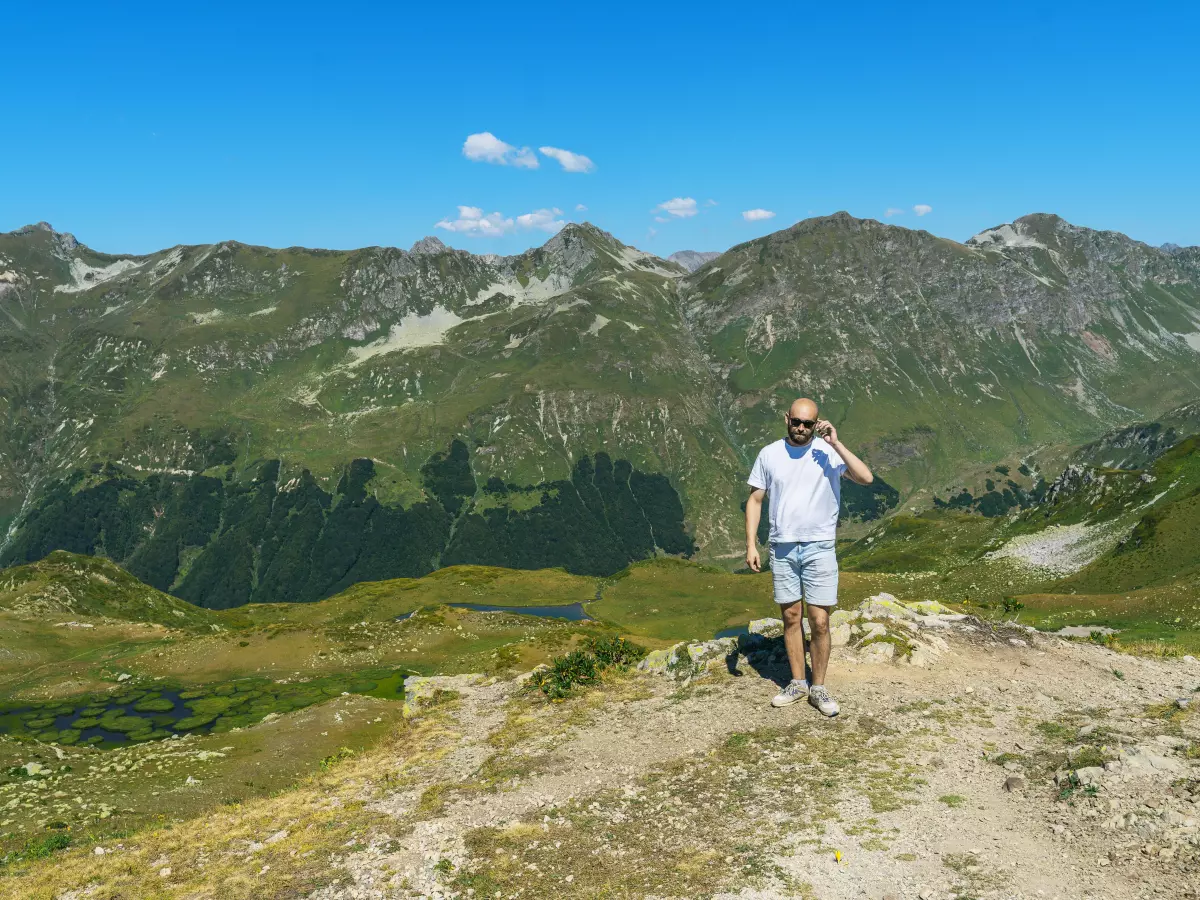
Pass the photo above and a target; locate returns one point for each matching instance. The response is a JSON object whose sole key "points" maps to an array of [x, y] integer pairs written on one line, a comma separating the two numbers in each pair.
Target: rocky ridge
{"points": [[1033, 333]]}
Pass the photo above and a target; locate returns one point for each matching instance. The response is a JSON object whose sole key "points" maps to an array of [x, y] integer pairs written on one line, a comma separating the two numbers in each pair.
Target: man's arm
{"points": [[753, 514], [856, 469]]}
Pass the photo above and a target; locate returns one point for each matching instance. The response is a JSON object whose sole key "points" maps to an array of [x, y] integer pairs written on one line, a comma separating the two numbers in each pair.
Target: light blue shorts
{"points": [[805, 570]]}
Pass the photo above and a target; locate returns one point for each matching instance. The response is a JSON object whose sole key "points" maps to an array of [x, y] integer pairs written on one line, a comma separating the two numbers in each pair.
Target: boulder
{"points": [[885, 606], [1089, 775], [842, 617], [930, 608], [656, 662], [419, 687], [767, 627], [839, 635], [879, 651], [720, 648]]}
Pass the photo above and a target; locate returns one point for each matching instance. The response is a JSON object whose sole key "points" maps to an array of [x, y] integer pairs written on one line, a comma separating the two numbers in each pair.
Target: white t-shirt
{"points": [[804, 489]]}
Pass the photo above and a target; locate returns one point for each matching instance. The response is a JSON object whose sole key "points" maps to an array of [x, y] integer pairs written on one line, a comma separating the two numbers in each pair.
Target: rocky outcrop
{"points": [[880, 629]]}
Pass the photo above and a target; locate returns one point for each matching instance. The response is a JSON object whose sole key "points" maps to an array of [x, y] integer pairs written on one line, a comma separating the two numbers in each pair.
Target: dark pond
{"points": [[141, 714], [734, 631], [572, 612]]}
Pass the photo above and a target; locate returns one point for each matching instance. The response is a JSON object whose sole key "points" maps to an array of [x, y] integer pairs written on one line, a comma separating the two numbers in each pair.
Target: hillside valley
{"points": [[133, 387]]}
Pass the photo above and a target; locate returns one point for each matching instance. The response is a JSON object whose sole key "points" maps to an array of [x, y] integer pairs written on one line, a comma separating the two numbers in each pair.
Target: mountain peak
{"points": [[428, 244]]}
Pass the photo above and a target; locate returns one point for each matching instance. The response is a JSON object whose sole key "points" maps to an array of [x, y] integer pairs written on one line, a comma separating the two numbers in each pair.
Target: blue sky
{"points": [[346, 125]]}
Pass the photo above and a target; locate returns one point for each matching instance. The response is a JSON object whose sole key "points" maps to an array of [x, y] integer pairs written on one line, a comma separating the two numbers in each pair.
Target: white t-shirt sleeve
{"points": [[758, 475], [835, 458]]}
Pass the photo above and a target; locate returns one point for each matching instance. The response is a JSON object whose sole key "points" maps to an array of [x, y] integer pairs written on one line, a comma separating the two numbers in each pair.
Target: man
{"points": [[801, 477]]}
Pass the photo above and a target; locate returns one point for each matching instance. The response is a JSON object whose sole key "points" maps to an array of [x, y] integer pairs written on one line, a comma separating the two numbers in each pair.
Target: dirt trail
{"points": [[908, 785]]}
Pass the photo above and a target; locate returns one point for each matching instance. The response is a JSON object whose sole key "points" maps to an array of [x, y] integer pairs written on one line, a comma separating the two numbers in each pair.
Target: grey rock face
{"points": [[693, 259]]}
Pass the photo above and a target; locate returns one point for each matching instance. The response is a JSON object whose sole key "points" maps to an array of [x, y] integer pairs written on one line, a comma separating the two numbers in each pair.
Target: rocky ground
{"points": [[975, 763], [968, 762]]}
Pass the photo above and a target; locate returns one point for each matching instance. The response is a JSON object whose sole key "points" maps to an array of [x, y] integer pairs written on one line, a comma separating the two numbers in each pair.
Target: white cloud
{"points": [[543, 220], [579, 207], [486, 147], [571, 162], [680, 207], [922, 209], [525, 159], [710, 202], [472, 222], [757, 215], [892, 211], [661, 219], [651, 232]]}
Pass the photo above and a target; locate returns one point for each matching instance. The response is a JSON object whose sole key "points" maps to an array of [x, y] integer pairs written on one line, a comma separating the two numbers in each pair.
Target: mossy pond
{"points": [[147, 713], [571, 612]]}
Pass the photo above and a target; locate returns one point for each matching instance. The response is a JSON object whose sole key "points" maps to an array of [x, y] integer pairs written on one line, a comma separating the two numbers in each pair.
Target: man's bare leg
{"points": [[793, 637], [818, 643]]}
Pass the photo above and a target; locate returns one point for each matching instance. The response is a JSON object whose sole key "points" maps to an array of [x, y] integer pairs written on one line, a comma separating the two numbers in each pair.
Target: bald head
{"points": [[800, 420]]}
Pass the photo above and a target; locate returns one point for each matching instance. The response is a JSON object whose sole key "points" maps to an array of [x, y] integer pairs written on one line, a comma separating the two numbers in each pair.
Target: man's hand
{"points": [[856, 469], [752, 559]]}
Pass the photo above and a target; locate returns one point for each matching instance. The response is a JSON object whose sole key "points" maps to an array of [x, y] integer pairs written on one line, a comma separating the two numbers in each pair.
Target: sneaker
{"points": [[819, 697], [790, 694]]}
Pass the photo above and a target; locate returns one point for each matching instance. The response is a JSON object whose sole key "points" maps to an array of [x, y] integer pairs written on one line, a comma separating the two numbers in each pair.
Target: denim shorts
{"points": [[805, 570]]}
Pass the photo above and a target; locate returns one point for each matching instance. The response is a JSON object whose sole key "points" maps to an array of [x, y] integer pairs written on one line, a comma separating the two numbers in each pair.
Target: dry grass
{"points": [[224, 855]]}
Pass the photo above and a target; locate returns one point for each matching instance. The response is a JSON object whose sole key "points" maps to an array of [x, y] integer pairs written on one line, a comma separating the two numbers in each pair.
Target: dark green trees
{"points": [[251, 539]]}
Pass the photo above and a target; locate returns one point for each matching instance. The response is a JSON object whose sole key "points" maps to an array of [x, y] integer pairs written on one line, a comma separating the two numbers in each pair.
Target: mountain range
{"points": [[230, 363]]}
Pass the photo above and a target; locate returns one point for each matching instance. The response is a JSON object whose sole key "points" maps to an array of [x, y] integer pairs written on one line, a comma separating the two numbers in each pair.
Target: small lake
{"points": [[572, 612], [733, 631]]}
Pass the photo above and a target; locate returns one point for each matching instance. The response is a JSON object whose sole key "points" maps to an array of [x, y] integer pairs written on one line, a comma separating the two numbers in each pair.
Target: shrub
{"points": [[614, 651], [583, 667]]}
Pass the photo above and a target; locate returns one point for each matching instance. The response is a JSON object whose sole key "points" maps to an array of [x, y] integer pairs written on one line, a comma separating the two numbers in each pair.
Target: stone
{"points": [[1017, 642], [1086, 730], [276, 837], [419, 687], [767, 627], [930, 608], [880, 651], [874, 629], [885, 606], [34, 768], [842, 617], [1014, 783], [99, 851], [656, 663], [1170, 740], [922, 657], [1089, 775], [124, 676], [1182, 702], [839, 635], [164, 872], [701, 653]]}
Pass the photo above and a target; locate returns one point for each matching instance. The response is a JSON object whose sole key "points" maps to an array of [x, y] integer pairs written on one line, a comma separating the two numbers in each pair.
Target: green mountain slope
{"points": [[937, 359], [66, 584]]}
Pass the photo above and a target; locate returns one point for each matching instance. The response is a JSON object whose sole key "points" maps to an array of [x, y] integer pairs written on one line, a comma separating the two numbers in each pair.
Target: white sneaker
{"points": [[819, 697], [795, 690]]}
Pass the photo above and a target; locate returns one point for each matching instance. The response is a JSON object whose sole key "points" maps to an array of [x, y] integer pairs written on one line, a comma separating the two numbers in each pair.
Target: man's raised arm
{"points": [[856, 469]]}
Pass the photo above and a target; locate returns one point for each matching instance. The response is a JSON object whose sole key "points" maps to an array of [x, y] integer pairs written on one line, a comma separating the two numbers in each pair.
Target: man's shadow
{"points": [[765, 656]]}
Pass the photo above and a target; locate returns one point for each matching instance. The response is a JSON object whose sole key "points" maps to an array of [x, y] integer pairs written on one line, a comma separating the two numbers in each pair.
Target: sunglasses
{"points": [[807, 423]]}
